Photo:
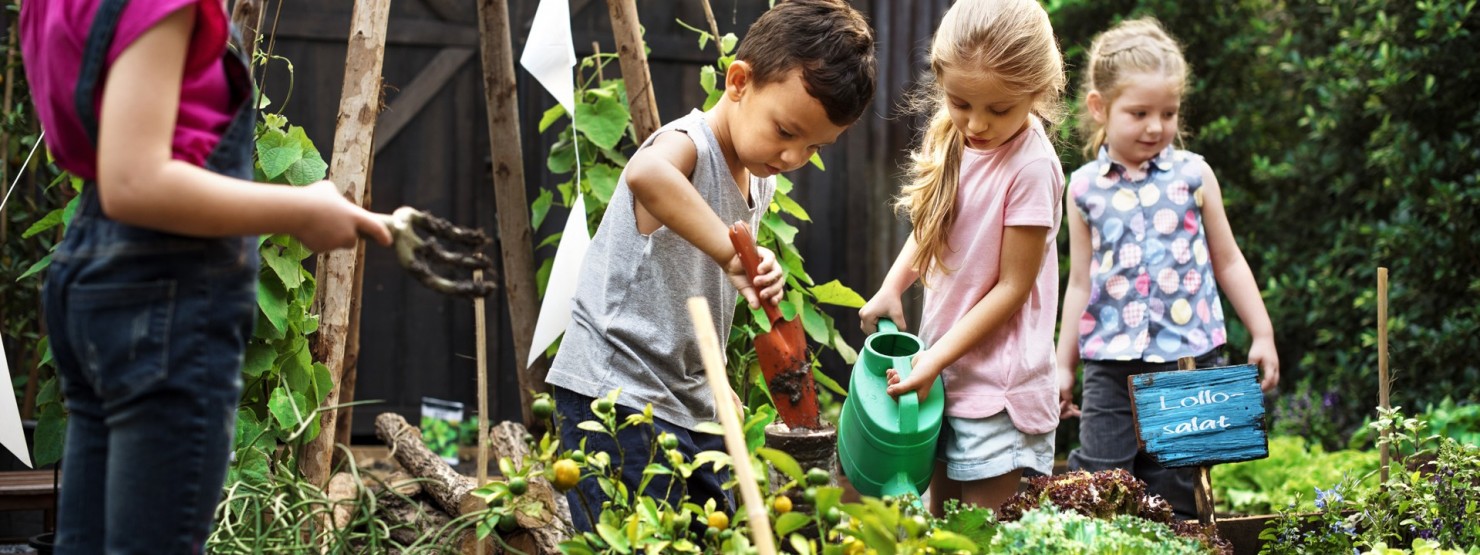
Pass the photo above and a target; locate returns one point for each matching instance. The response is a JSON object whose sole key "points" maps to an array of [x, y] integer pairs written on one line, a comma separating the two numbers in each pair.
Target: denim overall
{"points": [[148, 330]]}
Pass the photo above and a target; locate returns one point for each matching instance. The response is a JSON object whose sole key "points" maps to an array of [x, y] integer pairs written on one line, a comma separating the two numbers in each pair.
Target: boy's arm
{"points": [[1076, 299], [1236, 280], [1022, 258], [659, 179], [141, 184]]}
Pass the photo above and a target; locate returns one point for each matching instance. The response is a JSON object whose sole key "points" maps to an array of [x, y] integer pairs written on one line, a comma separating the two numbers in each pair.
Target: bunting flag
{"points": [[550, 56]]}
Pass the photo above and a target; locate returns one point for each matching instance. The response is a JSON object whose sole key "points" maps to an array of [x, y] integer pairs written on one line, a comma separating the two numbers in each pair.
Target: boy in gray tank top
{"points": [[803, 74]]}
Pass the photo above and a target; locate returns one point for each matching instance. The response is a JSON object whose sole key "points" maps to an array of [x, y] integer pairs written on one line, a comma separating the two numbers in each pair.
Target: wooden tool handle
{"points": [[744, 244], [709, 351]]}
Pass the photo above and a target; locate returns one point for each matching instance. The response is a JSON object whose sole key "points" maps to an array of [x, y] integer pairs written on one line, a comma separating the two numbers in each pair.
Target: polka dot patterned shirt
{"points": [[1152, 294]]}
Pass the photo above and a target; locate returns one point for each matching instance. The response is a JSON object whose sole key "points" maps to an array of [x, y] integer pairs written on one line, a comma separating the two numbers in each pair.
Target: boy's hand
{"points": [[769, 281], [923, 372], [1262, 354], [883, 305], [1067, 408]]}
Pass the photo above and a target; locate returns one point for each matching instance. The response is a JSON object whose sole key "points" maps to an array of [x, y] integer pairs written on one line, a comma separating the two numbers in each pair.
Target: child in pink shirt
{"points": [[984, 203]]}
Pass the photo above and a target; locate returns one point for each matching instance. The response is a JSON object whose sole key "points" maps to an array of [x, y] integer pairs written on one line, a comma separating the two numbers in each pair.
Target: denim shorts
{"points": [[980, 448]]}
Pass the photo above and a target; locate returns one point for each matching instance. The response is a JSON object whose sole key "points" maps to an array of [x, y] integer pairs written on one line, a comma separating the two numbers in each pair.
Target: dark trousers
{"points": [[1107, 431], [638, 446]]}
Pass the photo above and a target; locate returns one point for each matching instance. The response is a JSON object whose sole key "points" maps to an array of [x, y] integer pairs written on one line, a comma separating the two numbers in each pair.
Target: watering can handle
{"points": [[909, 402], [887, 326]]}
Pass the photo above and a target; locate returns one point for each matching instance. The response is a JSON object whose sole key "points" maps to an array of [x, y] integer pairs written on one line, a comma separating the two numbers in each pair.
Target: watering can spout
{"points": [[899, 485]]}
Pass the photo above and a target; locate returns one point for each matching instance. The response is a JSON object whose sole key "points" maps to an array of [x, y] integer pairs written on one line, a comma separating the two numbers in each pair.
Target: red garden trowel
{"points": [[782, 351]]}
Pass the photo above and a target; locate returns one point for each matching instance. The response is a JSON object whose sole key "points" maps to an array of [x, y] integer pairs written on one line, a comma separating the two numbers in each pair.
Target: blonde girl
{"points": [[983, 200], [1150, 251]]}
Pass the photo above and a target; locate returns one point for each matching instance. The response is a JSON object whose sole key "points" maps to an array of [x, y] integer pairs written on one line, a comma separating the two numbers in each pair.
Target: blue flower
{"points": [[1323, 497]]}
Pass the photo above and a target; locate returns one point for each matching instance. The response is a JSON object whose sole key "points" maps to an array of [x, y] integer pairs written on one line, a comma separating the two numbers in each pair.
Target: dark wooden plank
{"points": [[416, 95]]}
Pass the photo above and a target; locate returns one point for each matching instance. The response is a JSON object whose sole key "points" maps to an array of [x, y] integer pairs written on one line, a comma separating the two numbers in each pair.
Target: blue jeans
{"points": [[148, 331], [637, 444]]}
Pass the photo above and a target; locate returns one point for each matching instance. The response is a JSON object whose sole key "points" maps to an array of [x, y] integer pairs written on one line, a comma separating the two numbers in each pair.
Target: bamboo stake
{"points": [[354, 138], [633, 57], [481, 329], [759, 523], [515, 236], [1382, 364], [1202, 490]]}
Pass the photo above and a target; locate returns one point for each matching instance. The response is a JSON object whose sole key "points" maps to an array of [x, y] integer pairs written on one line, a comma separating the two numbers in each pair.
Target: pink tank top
{"points": [[53, 35]]}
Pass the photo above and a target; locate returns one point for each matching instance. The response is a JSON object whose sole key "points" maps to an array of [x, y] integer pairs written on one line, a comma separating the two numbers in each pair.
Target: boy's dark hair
{"points": [[829, 40]]}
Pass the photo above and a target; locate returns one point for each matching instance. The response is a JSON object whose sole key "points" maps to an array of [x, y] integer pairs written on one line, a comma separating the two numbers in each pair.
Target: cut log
{"points": [[445, 486], [342, 493], [410, 521]]}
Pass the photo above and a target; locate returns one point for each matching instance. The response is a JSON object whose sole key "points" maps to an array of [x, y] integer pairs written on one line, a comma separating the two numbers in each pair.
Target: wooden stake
{"points": [[755, 507], [246, 16], [349, 169], [635, 74], [713, 26], [481, 330], [1382, 365], [515, 237], [1202, 491]]}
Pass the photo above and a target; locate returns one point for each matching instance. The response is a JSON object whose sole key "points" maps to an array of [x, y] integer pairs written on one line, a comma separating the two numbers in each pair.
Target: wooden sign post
{"points": [[1200, 418]]}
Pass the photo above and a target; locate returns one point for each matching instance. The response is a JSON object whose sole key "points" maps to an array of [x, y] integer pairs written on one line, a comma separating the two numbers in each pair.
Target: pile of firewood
{"points": [[425, 493]]}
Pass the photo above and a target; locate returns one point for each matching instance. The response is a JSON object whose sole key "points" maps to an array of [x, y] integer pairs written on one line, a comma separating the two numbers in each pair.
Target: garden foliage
{"points": [[1291, 473], [1344, 135]]}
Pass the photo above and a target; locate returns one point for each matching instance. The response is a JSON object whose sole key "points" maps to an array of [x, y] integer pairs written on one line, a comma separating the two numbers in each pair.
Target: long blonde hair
{"points": [[1133, 47], [1007, 40]]}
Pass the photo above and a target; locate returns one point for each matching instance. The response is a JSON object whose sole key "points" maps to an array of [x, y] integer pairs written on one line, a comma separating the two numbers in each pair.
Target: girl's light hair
{"points": [[1132, 48], [1010, 41]]}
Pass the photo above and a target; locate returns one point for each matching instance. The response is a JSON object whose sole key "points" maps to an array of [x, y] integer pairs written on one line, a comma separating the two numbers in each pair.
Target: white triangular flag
{"points": [[12, 434], [549, 55]]}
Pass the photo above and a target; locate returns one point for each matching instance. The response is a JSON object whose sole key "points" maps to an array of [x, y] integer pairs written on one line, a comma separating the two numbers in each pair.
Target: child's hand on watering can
{"points": [[881, 306], [923, 371]]}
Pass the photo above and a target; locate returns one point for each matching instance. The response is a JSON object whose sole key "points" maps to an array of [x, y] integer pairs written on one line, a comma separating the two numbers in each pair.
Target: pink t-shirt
{"points": [[1017, 184], [53, 36]]}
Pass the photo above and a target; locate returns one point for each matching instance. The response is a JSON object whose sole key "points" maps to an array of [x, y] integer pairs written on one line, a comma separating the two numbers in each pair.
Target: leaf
{"points": [[310, 169], [783, 462], [828, 382], [273, 300], [276, 152], [603, 181], [816, 324], [707, 78], [727, 43], [592, 426], [284, 407], [761, 319], [323, 382], [540, 208], [816, 160], [258, 360], [551, 116], [614, 538], [709, 428], [50, 435], [36, 268], [562, 157], [542, 276], [835, 293], [790, 207], [947, 541], [791, 522], [603, 122], [783, 184], [288, 271], [784, 232], [50, 220]]}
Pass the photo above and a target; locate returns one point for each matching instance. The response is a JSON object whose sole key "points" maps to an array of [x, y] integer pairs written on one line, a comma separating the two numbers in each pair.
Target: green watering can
{"points": [[887, 446]]}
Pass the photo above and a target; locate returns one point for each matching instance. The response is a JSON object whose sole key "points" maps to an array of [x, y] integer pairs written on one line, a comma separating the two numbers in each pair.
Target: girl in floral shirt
{"points": [[1149, 246]]}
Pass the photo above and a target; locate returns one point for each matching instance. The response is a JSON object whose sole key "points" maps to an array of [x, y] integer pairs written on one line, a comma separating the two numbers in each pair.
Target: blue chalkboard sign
{"points": [[1200, 417]]}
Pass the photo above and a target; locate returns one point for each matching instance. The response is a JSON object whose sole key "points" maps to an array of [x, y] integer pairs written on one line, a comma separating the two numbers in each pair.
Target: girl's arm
{"points": [[659, 179], [886, 302], [1022, 259], [1237, 282], [139, 182], [1076, 299]]}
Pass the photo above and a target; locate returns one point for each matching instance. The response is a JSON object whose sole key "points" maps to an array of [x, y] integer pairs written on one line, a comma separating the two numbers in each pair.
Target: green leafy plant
{"points": [[1048, 529], [1293, 470]]}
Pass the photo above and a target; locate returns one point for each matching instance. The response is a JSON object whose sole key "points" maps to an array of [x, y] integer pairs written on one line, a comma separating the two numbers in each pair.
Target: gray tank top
{"points": [[630, 325]]}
